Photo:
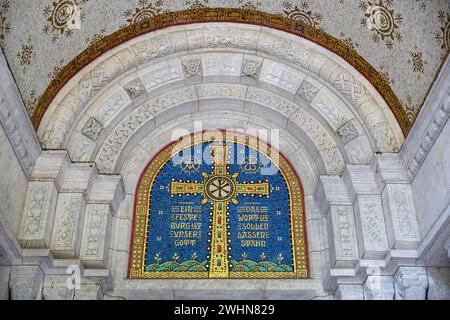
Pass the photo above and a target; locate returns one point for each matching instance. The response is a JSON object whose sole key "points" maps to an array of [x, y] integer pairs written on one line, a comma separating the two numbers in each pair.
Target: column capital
{"points": [[26, 283], [410, 283]]}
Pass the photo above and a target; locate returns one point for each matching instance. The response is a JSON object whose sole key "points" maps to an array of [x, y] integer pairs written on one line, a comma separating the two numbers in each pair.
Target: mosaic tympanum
{"points": [[227, 207]]}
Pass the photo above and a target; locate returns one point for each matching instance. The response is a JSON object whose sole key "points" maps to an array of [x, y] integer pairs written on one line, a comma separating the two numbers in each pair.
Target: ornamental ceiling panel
{"points": [[405, 41]]}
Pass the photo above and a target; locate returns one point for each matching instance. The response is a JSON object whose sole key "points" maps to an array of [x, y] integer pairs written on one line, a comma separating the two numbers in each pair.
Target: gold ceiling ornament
{"points": [[382, 21], [5, 25], [236, 15], [303, 14], [443, 35], [146, 10], [63, 17]]}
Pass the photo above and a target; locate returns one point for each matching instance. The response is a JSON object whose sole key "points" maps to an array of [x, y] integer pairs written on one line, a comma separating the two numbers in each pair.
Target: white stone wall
{"points": [[13, 186], [427, 158], [433, 175]]}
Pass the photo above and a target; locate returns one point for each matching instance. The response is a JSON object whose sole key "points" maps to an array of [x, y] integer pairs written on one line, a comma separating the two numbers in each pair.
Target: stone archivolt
{"points": [[287, 71], [232, 38]]}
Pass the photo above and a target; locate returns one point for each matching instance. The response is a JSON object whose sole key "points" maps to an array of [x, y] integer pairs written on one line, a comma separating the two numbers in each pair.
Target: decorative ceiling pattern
{"points": [[405, 41]]}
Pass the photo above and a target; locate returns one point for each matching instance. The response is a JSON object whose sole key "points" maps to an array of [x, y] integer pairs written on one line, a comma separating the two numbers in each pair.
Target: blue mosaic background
{"points": [[278, 248]]}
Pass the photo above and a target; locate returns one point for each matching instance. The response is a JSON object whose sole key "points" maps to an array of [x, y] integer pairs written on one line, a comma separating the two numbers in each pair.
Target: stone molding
{"points": [[15, 120], [431, 120]]}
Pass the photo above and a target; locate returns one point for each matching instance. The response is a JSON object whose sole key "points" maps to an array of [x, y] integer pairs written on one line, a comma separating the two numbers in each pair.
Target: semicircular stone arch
{"points": [[153, 72], [223, 39]]}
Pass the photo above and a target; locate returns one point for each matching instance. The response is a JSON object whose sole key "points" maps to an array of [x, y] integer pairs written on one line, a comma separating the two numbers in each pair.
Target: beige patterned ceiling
{"points": [[406, 41]]}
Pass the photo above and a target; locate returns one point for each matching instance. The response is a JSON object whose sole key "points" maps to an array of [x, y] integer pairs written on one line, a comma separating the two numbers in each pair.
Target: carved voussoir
{"points": [[192, 67]]}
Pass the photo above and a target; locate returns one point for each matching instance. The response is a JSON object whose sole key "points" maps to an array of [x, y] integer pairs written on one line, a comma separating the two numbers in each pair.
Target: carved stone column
{"points": [[103, 200], [398, 204], [344, 233], [364, 186], [403, 229], [38, 213], [96, 235], [379, 287], [349, 292], [26, 283], [410, 283], [341, 221], [67, 221], [66, 235]]}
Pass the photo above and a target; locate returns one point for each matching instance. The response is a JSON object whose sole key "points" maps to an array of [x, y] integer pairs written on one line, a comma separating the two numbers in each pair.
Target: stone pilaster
{"points": [[364, 186], [400, 214], [66, 236], [38, 213], [398, 204], [344, 234], [96, 234], [371, 227], [341, 223], [68, 210]]}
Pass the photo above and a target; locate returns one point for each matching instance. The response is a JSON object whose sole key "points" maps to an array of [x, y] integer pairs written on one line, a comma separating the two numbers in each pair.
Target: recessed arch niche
{"points": [[219, 204]]}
